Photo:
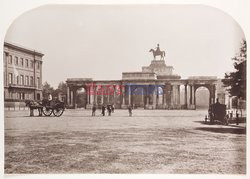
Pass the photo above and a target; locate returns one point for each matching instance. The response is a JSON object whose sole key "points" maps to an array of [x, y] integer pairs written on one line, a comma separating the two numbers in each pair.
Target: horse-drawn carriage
{"points": [[46, 107], [217, 113]]}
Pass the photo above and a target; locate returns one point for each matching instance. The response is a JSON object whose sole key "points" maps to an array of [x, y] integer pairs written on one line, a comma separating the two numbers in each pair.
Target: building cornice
{"points": [[23, 49]]}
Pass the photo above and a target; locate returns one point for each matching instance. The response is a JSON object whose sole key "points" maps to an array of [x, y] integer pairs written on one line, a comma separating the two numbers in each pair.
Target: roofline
{"points": [[139, 72], [22, 48]]}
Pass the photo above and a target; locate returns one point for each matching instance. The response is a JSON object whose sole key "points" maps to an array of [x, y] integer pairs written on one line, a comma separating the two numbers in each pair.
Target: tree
{"points": [[62, 87], [47, 89], [236, 80]]}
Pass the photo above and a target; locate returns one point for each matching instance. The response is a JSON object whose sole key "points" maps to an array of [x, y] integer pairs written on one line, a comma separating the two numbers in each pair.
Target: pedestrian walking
{"points": [[113, 108], [103, 110], [109, 109], [237, 118], [93, 110], [231, 116], [206, 118], [130, 108]]}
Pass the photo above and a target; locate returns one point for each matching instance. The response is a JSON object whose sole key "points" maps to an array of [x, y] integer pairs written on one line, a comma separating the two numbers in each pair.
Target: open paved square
{"points": [[152, 141]]}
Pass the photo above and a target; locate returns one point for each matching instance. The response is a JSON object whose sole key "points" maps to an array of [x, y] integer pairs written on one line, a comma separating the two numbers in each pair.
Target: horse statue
{"points": [[34, 105], [158, 52]]}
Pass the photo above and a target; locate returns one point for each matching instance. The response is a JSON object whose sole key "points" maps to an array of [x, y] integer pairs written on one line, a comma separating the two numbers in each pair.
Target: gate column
{"points": [[68, 96], [185, 96], [74, 98], [129, 95], [195, 88], [154, 98], [165, 96], [178, 95], [123, 95], [191, 95]]}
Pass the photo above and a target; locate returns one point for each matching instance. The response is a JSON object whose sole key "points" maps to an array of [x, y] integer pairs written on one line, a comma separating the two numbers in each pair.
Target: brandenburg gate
{"points": [[155, 87]]}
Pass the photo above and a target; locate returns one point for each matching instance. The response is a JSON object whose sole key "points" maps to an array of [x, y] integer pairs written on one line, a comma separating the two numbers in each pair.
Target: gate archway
{"points": [[202, 98], [138, 97], [81, 98], [210, 88]]}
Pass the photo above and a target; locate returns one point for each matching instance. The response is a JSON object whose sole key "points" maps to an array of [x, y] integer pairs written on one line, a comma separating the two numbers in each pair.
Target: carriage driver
{"points": [[49, 98]]}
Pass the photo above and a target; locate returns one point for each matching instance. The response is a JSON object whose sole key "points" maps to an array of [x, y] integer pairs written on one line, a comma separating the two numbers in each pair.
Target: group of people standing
{"points": [[110, 108]]}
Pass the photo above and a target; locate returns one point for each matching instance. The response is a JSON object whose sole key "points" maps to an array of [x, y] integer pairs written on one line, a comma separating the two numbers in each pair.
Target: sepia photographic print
{"points": [[125, 89]]}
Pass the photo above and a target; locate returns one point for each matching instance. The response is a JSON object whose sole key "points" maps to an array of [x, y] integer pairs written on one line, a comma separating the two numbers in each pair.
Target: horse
{"points": [[34, 105], [158, 53]]}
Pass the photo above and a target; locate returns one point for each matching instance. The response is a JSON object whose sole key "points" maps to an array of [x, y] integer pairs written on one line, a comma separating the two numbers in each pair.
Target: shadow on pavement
{"points": [[223, 130]]}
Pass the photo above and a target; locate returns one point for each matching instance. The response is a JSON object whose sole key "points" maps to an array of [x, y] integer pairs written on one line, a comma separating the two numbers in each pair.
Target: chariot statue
{"points": [[158, 52]]}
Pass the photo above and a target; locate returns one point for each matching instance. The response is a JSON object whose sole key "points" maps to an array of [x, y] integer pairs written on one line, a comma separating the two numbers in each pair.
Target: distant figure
{"points": [[49, 98], [227, 116], [210, 114], [103, 110], [130, 108], [237, 118], [231, 115], [93, 110], [217, 101], [109, 109], [205, 118], [113, 108]]}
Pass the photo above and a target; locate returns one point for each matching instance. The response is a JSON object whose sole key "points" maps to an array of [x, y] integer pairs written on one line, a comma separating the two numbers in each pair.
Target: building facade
{"points": [[22, 75]]}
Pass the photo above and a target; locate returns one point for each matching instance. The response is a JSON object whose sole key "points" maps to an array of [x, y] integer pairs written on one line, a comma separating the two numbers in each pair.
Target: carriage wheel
{"points": [[58, 111], [47, 111]]}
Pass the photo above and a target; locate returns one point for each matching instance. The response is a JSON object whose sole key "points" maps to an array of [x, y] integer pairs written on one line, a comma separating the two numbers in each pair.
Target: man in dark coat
{"points": [[93, 110], [103, 110], [109, 109], [130, 108]]}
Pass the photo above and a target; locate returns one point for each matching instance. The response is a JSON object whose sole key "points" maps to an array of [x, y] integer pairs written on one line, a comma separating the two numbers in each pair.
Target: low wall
{"points": [[15, 105]]}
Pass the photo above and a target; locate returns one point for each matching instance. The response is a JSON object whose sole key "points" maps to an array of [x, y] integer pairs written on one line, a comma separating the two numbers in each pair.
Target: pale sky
{"points": [[101, 42]]}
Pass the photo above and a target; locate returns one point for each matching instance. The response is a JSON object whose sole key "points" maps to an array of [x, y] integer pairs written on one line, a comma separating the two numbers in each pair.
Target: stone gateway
{"points": [[155, 87]]}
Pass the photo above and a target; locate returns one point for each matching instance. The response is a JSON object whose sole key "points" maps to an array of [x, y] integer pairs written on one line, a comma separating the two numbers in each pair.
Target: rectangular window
{"points": [[17, 80], [27, 63], [10, 59], [22, 62], [31, 81], [16, 60], [15, 97], [38, 65], [27, 80], [14, 79], [21, 95], [31, 64], [38, 82], [10, 78], [21, 79]]}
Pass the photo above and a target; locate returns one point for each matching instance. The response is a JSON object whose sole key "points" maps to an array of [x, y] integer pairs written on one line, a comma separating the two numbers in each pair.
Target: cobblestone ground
{"points": [[152, 141]]}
